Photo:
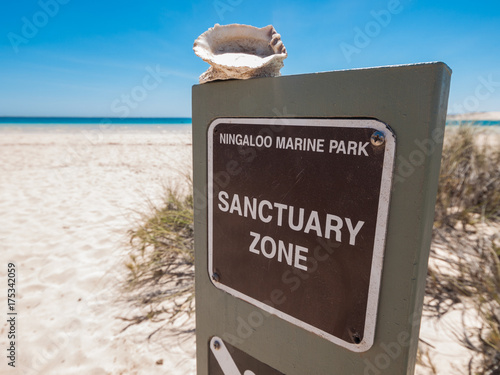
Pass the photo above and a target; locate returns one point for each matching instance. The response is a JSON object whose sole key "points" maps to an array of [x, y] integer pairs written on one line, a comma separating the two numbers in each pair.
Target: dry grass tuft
{"points": [[469, 181], [161, 262], [464, 271]]}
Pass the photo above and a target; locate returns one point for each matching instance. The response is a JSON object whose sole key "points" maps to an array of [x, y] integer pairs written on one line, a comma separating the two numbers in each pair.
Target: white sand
{"points": [[67, 201]]}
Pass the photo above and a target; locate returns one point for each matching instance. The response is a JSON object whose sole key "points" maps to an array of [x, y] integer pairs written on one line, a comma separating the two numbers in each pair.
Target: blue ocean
{"points": [[70, 124]]}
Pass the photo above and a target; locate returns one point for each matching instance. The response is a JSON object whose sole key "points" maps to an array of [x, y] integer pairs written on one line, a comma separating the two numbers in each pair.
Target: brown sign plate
{"points": [[297, 219]]}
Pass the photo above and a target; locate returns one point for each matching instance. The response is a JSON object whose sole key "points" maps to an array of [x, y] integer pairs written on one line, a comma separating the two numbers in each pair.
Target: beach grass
{"points": [[469, 182], [464, 271], [161, 261]]}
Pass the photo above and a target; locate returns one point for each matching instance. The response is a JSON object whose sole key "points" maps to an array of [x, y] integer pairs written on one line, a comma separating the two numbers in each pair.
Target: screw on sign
{"points": [[377, 138]]}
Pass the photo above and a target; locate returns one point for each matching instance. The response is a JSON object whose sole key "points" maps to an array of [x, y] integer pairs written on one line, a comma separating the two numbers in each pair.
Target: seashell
{"points": [[240, 52]]}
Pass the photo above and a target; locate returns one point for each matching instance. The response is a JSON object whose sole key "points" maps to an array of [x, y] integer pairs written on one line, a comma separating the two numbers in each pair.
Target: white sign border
{"points": [[380, 232]]}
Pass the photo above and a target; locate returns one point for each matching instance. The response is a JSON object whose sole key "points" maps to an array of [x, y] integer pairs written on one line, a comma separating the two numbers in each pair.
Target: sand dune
{"points": [[476, 116]]}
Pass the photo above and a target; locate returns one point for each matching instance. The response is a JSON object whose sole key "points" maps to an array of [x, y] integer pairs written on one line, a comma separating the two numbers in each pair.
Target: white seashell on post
{"points": [[240, 52]]}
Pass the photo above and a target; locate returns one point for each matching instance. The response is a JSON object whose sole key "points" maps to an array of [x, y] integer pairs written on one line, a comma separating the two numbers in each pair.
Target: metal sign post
{"points": [[314, 199]]}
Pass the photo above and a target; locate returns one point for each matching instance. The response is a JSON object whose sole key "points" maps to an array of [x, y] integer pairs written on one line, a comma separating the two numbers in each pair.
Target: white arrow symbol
{"points": [[224, 359]]}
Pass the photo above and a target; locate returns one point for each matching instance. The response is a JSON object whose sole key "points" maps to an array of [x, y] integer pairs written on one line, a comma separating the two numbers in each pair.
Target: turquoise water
{"points": [[37, 121], [472, 123], [157, 121]]}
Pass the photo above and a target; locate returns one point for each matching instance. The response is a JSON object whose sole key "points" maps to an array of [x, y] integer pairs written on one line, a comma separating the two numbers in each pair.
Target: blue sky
{"points": [[84, 58]]}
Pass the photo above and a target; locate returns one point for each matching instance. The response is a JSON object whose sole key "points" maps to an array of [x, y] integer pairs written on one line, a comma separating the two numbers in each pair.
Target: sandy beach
{"points": [[69, 196], [68, 199]]}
